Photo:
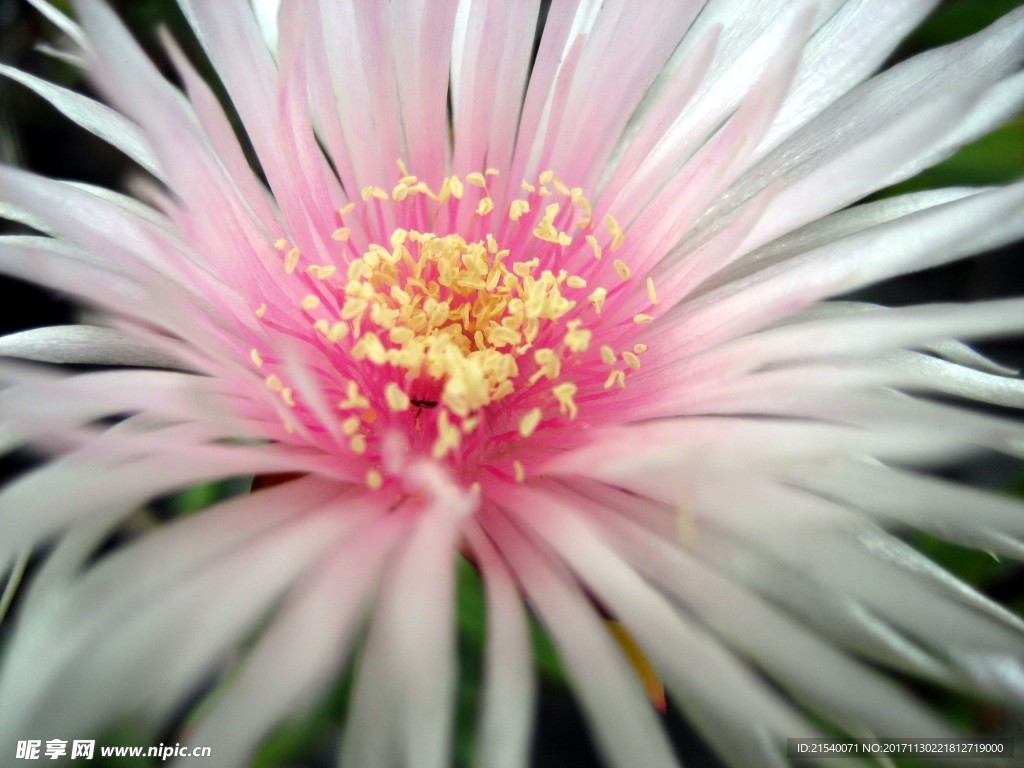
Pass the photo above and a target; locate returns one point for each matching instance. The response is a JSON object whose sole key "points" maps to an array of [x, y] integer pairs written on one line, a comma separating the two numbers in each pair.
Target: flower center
{"points": [[453, 319], [462, 329]]}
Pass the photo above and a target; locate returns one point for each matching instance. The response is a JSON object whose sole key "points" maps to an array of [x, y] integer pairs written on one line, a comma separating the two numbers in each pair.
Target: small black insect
{"points": [[424, 403]]}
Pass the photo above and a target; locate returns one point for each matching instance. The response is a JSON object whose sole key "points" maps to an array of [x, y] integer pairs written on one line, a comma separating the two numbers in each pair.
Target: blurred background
{"points": [[33, 135]]}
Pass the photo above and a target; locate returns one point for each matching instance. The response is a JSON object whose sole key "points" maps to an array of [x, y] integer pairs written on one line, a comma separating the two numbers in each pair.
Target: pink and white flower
{"points": [[573, 327]]}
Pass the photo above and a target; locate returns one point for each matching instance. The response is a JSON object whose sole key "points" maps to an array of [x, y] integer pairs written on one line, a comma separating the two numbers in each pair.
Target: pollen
{"points": [[618, 236], [397, 399], [353, 400], [564, 394], [615, 377], [449, 437], [577, 339], [256, 358], [337, 331], [528, 423], [322, 273], [517, 209], [471, 338], [455, 316]]}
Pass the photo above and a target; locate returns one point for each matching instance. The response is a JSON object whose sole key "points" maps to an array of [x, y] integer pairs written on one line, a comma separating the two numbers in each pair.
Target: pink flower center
{"points": [[463, 329]]}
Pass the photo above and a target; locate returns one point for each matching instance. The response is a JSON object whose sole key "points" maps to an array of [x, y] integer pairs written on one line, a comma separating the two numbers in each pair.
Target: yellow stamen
{"points": [[465, 328], [564, 394], [577, 339], [374, 480], [337, 332], [353, 399], [528, 423], [396, 397], [615, 377], [517, 209], [651, 294], [618, 236], [453, 318], [642, 319], [455, 184], [322, 273], [257, 359], [448, 437], [520, 471]]}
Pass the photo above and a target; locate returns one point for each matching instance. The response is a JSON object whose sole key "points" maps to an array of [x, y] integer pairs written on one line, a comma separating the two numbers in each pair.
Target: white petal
{"points": [[403, 700], [306, 643], [84, 345], [507, 701], [622, 719]]}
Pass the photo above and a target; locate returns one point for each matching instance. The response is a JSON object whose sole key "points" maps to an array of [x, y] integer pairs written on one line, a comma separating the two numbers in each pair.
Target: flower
{"points": [[572, 326]]}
